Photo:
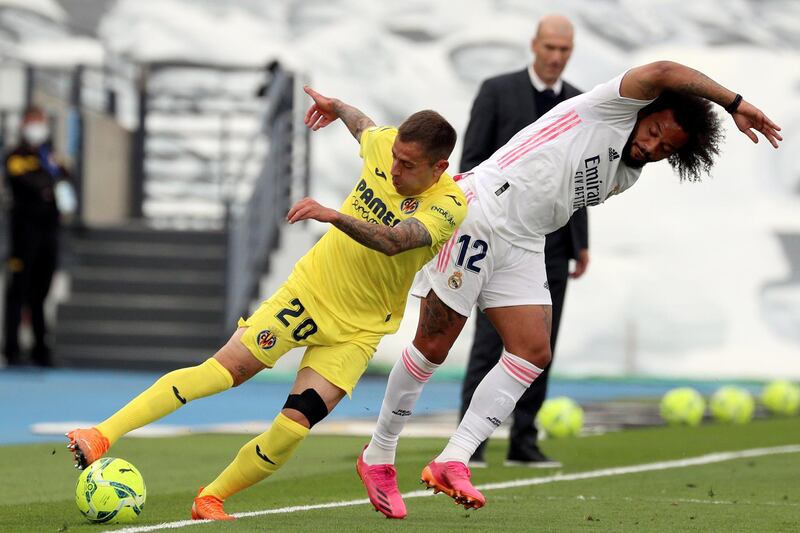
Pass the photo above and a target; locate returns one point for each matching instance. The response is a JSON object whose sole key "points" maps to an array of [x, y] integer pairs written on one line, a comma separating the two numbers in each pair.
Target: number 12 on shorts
{"points": [[476, 253]]}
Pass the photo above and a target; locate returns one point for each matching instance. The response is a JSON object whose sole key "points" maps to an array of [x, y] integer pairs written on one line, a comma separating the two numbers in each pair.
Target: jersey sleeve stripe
{"points": [[538, 138], [537, 135], [563, 129], [444, 253]]}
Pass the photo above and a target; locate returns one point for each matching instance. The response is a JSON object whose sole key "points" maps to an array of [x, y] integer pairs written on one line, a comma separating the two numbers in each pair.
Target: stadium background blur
{"points": [[157, 106]]}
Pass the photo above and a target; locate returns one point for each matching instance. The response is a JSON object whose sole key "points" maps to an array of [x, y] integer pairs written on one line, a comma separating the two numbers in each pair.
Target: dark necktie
{"points": [[548, 100]]}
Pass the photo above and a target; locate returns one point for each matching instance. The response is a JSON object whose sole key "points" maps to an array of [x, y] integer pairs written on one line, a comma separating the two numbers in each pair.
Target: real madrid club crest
{"points": [[266, 339], [455, 281], [409, 206]]}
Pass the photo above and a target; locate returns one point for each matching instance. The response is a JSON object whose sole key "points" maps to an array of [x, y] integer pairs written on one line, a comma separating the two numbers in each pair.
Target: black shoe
{"points": [[42, 356], [532, 457], [16, 361], [12, 357]]}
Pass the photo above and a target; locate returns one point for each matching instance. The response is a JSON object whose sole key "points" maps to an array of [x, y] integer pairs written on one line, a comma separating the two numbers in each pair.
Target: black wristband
{"points": [[733, 106]]}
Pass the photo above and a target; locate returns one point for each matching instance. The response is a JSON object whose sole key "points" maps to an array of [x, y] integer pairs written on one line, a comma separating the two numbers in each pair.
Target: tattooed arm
{"points": [[410, 233], [648, 81], [325, 110]]}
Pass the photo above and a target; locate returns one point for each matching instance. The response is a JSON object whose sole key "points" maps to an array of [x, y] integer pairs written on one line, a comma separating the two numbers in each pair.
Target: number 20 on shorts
{"points": [[304, 329]]}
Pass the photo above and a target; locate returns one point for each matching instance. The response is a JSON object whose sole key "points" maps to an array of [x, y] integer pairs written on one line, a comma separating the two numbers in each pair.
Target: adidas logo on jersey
{"points": [[612, 154]]}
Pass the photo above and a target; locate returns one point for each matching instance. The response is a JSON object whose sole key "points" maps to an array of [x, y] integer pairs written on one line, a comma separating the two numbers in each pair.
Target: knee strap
{"points": [[310, 403]]}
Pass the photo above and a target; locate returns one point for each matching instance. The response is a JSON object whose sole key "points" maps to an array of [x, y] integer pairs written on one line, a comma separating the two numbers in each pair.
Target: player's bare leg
{"points": [[312, 397], [237, 359], [525, 331], [232, 365], [437, 330]]}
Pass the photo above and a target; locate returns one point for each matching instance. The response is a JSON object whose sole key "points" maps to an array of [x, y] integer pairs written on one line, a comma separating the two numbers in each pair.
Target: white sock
{"points": [[492, 402], [406, 380]]}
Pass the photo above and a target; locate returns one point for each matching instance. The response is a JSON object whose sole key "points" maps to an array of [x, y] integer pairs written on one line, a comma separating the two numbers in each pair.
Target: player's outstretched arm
{"points": [[410, 233], [648, 81], [325, 110]]}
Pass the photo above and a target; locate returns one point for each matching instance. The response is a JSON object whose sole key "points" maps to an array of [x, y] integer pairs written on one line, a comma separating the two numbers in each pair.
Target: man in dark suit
{"points": [[504, 105]]}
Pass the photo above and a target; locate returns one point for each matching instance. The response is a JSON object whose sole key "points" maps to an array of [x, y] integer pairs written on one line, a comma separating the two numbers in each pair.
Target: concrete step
{"points": [[150, 255], [128, 357], [205, 318], [136, 233], [157, 286], [149, 301], [150, 249], [163, 276], [171, 211], [138, 333]]}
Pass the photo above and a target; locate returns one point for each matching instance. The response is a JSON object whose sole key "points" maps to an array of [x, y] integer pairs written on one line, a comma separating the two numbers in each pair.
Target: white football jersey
{"points": [[568, 159]]}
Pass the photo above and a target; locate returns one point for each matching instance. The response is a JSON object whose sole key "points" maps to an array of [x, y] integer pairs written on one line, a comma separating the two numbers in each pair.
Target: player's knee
{"points": [[306, 408], [434, 350], [537, 353]]}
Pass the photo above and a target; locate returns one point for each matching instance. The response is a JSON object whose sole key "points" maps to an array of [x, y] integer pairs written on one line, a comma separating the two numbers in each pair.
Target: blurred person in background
{"points": [[33, 175], [505, 104]]}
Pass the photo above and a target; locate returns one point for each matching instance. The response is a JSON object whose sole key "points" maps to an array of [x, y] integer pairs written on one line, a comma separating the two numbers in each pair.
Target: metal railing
{"points": [[254, 226], [254, 184]]}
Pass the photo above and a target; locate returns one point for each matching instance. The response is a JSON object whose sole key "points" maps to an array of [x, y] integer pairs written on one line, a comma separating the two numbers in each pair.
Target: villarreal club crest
{"points": [[409, 206], [266, 339]]}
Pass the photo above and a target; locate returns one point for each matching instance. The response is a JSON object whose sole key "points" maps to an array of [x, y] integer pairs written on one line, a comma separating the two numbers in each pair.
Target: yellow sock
{"points": [[259, 458], [166, 395]]}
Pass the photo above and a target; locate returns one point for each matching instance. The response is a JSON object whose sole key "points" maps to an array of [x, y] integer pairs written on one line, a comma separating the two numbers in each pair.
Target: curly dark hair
{"points": [[696, 117]]}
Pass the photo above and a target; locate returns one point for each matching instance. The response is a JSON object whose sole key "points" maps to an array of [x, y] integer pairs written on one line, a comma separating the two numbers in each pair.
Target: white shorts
{"points": [[477, 267]]}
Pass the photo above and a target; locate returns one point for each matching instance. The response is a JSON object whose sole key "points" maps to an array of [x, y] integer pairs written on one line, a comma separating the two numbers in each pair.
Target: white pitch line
{"points": [[604, 472]]}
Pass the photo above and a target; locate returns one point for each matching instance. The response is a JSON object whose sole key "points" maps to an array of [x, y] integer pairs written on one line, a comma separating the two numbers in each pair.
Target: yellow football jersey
{"points": [[363, 287]]}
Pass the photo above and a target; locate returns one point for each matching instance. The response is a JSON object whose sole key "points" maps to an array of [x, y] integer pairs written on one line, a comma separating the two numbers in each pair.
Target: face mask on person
{"points": [[35, 133]]}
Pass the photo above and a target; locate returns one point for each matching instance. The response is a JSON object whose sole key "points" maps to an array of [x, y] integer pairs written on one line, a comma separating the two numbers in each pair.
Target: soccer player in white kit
{"points": [[582, 152]]}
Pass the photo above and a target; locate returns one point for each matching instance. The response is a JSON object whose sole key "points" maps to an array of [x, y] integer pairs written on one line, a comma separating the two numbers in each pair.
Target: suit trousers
{"points": [[32, 263]]}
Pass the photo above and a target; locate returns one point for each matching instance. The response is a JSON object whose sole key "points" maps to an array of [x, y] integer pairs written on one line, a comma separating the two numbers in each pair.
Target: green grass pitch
{"points": [[749, 494]]}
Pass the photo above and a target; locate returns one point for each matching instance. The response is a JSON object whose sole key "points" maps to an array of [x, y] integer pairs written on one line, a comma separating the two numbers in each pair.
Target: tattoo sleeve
{"points": [[687, 80], [437, 318], [410, 233], [355, 120], [701, 85]]}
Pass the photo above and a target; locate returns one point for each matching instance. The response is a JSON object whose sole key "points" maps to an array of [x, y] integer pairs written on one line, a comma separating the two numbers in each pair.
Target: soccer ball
{"points": [[560, 417], [110, 490], [733, 405], [682, 406], [781, 398]]}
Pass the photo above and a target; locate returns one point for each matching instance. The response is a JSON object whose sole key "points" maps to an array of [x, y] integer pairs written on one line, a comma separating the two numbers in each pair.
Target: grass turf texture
{"points": [[752, 494]]}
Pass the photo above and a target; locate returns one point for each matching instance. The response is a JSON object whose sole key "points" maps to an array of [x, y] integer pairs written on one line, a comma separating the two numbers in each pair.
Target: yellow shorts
{"points": [[335, 350]]}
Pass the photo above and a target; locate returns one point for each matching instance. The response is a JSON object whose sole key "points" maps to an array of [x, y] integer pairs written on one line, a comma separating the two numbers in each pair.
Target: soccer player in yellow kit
{"points": [[342, 297]]}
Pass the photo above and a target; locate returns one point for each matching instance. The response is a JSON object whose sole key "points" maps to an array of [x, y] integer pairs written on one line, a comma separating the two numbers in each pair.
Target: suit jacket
{"points": [[505, 105]]}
